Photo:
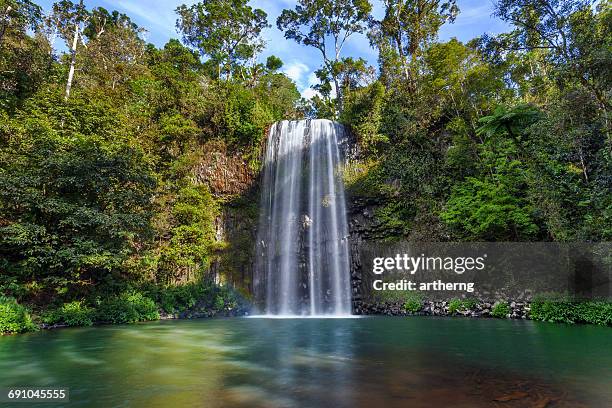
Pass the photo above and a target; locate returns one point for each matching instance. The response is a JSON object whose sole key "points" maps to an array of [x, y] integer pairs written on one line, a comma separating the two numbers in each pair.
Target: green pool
{"points": [[365, 362]]}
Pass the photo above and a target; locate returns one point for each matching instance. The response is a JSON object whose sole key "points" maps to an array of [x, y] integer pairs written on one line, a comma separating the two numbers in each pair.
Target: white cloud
{"points": [[298, 72], [312, 79], [309, 93]]}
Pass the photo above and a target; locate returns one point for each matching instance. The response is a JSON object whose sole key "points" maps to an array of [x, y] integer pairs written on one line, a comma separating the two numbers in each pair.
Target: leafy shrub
{"points": [[174, 299], [563, 309], [128, 307], [225, 299], [192, 233], [553, 308], [500, 310], [461, 305], [197, 297], [14, 318], [492, 207], [363, 111], [72, 314], [594, 312], [219, 303], [454, 305], [413, 302]]}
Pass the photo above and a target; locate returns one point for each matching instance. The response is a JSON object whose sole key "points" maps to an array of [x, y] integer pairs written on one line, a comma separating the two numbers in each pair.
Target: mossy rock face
{"points": [[362, 180], [236, 257]]}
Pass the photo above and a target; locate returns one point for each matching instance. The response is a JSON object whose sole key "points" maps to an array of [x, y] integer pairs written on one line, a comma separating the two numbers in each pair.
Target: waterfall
{"points": [[302, 265]]}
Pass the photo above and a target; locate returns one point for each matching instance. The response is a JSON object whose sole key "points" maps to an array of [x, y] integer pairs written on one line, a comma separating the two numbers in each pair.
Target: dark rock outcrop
{"points": [[482, 308]]}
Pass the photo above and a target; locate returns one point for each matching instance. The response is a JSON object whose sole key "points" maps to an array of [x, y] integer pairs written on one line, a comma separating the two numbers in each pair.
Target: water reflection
{"points": [[301, 361]]}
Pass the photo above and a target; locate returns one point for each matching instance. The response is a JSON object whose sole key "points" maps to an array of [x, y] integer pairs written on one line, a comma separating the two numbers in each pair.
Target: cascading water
{"points": [[302, 263]]}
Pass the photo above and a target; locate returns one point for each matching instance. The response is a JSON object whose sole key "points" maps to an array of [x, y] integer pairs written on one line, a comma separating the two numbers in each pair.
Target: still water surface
{"points": [[366, 362]]}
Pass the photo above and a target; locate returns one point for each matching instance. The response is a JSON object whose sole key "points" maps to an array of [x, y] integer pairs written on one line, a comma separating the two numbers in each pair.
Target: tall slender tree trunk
{"points": [[73, 53], [339, 100]]}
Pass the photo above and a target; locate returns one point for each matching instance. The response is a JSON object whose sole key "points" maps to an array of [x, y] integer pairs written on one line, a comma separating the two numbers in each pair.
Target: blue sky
{"points": [[158, 18]]}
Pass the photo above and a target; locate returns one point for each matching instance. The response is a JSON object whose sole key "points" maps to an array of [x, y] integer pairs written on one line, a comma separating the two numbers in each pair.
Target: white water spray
{"points": [[302, 249]]}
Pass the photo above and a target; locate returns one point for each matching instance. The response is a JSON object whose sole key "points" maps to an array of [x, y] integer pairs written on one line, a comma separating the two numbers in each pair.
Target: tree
{"points": [[490, 209], [512, 122], [273, 63], [406, 30], [70, 20], [281, 93], [316, 23], [350, 75], [363, 113], [17, 16], [569, 32], [226, 31], [115, 49], [75, 199], [176, 70], [493, 205], [24, 58], [463, 86], [187, 252]]}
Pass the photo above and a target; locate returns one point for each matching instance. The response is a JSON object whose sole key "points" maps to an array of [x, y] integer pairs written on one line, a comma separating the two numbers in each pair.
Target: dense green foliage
{"points": [[197, 297], [562, 309], [128, 307], [131, 306], [500, 310], [74, 313], [413, 303], [503, 138], [14, 318], [461, 305], [73, 201]]}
